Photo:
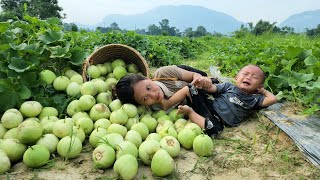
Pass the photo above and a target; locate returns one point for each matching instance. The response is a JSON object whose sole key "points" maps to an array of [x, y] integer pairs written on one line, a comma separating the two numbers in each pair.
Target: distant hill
{"points": [[301, 21], [181, 17]]}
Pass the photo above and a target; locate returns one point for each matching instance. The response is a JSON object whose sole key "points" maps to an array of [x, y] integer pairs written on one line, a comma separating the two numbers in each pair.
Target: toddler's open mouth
{"points": [[246, 82]]}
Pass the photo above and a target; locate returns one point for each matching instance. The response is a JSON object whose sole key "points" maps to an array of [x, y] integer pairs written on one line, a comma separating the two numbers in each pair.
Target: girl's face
{"points": [[147, 92], [249, 79]]}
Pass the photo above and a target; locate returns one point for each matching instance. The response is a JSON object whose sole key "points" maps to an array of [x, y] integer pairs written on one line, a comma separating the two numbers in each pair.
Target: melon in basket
{"points": [[116, 56]]}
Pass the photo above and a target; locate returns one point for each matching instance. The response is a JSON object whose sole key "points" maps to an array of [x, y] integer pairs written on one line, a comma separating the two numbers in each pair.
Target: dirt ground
{"points": [[257, 149]]}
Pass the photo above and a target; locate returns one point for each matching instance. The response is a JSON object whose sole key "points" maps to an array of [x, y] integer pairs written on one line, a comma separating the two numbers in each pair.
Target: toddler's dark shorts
{"points": [[203, 106]]}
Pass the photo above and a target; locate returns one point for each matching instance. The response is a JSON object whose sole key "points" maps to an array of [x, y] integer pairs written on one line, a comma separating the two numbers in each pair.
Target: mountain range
{"points": [[181, 17], [185, 16], [301, 21]]}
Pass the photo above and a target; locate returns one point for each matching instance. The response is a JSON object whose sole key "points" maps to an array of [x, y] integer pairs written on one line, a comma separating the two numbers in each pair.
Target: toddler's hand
{"points": [[164, 104], [202, 83], [261, 90], [184, 109]]}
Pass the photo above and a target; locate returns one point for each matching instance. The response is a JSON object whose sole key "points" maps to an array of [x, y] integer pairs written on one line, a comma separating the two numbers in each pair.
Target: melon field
{"points": [[61, 120]]}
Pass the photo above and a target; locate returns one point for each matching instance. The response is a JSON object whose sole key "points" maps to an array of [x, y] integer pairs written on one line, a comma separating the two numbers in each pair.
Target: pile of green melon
{"points": [[122, 135]]}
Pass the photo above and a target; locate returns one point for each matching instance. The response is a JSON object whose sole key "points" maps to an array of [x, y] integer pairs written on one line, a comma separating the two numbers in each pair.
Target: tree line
{"points": [[43, 9], [163, 29]]}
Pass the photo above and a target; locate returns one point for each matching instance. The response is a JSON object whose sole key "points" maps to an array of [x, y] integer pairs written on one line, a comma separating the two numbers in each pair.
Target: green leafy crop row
{"points": [[28, 46]]}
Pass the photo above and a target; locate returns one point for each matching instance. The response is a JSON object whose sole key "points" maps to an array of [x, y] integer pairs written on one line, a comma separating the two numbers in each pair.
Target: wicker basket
{"points": [[111, 52]]}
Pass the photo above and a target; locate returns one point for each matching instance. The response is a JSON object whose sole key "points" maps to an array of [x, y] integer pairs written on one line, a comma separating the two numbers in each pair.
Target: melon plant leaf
{"points": [[20, 47], [4, 47], [316, 52], [24, 92], [44, 101], [9, 100], [6, 85], [58, 52], [314, 84], [3, 75], [53, 21], [280, 95], [18, 65], [32, 48], [279, 81], [78, 55], [304, 54], [51, 36], [35, 61], [299, 78], [311, 60], [302, 77], [59, 98], [61, 102], [17, 30], [8, 95], [4, 26], [34, 21], [288, 64], [29, 79]]}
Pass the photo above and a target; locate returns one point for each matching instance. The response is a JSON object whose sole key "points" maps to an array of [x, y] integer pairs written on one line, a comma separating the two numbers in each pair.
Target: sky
{"points": [[90, 12]]}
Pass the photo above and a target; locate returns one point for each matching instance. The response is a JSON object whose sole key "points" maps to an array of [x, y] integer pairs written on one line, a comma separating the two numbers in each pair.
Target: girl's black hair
{"points": [[124, 88]]}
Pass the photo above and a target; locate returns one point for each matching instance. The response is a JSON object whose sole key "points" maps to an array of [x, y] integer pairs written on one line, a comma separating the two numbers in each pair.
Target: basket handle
{"points": [[85, 66]]}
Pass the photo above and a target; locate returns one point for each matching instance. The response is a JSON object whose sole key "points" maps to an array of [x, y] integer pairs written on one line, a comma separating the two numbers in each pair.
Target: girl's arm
{"points": [[177, 97], [177, 73], [189, 76]]}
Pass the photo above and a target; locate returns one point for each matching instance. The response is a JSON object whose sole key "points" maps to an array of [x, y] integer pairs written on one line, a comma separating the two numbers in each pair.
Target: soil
{"points": [[257, 149]]}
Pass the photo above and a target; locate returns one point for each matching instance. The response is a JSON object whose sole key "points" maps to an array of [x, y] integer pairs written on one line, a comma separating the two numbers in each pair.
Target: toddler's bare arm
{"points": [[269, 97]]}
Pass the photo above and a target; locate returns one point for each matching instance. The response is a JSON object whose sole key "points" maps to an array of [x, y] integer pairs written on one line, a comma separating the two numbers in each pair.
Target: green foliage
{"points": [[70, 27], [263, 27], [188, 32], [11, 9], [158, 50], [153, 30], [164, 29], [28, 47], [313, 32], [113, 27], [200, 31], [42, 9]]}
